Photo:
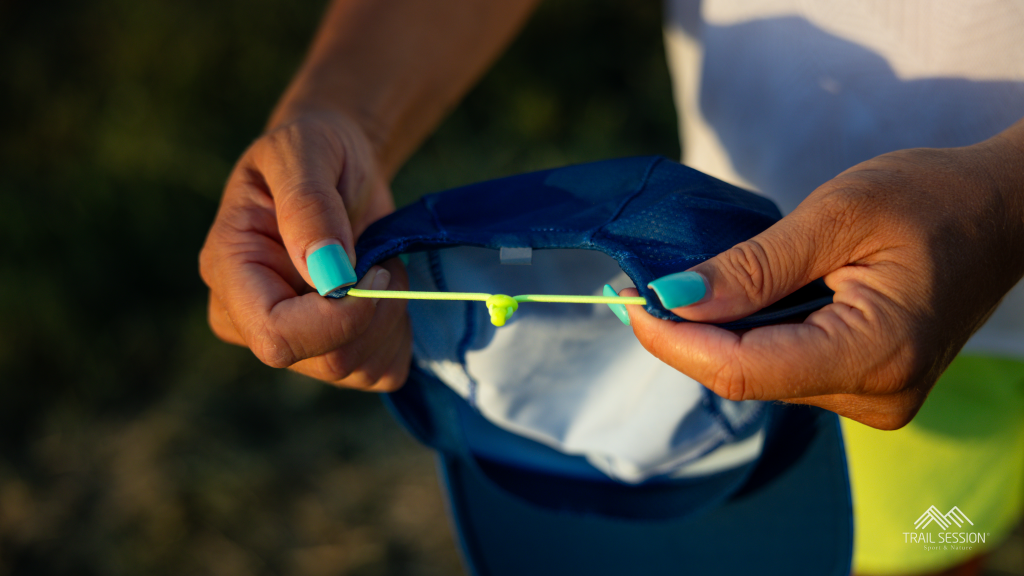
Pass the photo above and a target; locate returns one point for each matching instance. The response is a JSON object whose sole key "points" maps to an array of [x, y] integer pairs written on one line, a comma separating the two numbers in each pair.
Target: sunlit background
{"points": [[131, 440]]}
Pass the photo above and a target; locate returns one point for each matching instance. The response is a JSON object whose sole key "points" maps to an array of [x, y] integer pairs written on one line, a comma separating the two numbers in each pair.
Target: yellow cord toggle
{"points": [[501, 307]]}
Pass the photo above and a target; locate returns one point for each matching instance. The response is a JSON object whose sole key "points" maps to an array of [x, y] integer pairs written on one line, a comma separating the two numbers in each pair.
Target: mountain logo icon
{"points": [[932, 514]]}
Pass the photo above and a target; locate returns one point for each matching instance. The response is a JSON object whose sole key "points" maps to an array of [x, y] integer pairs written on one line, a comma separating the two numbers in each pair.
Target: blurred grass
{"points": [[132, 441]]}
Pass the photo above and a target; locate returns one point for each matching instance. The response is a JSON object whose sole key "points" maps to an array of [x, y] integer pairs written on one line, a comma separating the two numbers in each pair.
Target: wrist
{"points": [[395, 68], [1005, 168], [1003, 157]]}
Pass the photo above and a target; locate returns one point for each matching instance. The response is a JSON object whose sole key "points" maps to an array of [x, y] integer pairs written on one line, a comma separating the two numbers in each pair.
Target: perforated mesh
{"points": [[652, 215]]}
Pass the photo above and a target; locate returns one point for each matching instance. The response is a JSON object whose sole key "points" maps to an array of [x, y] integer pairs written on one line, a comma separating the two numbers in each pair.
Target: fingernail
{"points": [[618, 309], [380, 282], [679, 289], [330, 268]]}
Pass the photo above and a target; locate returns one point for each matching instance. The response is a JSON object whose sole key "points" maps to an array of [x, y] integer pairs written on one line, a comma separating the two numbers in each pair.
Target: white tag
{"points": [[516, 256]]}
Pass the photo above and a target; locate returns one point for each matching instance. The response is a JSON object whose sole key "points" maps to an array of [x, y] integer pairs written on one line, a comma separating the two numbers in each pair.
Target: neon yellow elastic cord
{"points": [[500, 306]]}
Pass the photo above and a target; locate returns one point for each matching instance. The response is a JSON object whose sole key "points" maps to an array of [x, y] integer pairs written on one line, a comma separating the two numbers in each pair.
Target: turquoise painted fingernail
{"points": [[330, 269], [618, 309], [679, 289]]}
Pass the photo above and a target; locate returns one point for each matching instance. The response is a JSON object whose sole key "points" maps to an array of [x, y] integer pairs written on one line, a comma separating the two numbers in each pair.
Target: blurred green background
{"points": [[131, 440]]}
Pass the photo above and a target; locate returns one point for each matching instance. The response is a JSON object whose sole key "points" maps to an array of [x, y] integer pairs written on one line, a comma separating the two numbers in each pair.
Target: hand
{"points": [[309, 182], [919, 247]]}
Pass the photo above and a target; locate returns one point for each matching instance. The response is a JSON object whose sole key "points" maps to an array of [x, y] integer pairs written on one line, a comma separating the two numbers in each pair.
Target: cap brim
{"points": [[791, 515]]}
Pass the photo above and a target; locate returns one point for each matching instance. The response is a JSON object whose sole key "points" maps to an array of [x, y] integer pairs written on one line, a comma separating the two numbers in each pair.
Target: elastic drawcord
{"points": [[499, 306]]}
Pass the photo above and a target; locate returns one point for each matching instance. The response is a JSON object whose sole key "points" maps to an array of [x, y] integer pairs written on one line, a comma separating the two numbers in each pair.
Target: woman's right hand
{"points": [[309, 182]]}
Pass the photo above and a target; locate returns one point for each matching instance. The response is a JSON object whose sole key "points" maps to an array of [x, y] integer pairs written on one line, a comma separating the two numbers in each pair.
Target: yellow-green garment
{"points": [[965, 448]]}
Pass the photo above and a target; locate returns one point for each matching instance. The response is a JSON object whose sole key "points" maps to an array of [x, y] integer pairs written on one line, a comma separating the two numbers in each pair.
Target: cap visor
{"points": [[792, 521]]}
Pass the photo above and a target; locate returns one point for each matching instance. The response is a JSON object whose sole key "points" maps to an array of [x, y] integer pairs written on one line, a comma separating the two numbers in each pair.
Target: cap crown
{"points": [[652, 215]]}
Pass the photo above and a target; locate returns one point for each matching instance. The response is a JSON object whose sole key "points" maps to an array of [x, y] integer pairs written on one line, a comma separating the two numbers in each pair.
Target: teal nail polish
{"points": [[618, 309], [330, 269], [679, 289]]}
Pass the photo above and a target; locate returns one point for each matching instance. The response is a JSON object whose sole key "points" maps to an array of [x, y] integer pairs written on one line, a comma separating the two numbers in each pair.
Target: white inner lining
{"points": [[571, 376]]}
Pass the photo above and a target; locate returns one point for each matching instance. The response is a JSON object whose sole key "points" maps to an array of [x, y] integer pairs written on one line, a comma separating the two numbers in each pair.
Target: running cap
{"points": [[564, 446]]}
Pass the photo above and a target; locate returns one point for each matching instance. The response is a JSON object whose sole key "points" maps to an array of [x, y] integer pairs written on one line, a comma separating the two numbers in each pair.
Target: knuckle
{"points": [[336, 366], [388, 384], [355, 381], [282, 139], [220, 245], [302, 136], [748, 267], [207, 265], [205, 272], [273, 349], [306, 199], [349, 330], [730, 383]]}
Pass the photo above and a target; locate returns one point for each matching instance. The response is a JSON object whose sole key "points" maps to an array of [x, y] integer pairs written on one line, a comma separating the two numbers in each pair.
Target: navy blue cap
{"points": [[652, 215], [789, 512], [786, 512]]}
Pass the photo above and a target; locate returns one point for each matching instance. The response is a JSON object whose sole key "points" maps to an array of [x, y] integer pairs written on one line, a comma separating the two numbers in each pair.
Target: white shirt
{"points": [[779, 96]]}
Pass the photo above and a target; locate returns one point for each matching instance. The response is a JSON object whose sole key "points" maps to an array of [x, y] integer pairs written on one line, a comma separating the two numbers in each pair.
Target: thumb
{"points": [[303, 171], [750, 275]]}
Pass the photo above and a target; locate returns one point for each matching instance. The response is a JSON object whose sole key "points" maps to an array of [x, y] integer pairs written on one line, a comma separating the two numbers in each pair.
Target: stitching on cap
{"points": [[434, 218], [632, 195], [554, 230]]}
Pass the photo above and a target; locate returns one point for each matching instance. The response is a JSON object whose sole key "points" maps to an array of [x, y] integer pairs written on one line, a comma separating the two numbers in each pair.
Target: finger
{"points": [[358, 364], [381, 366], [221, 324], [733, 366], [304, 174], [246, 266], [397, 372], [846, 347], [798, 249], [245, 233], [385, 370], [387, 374], [282, 327]]}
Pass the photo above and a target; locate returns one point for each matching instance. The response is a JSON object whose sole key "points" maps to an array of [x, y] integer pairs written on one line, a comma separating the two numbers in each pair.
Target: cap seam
{"points": [[622, 205]]}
